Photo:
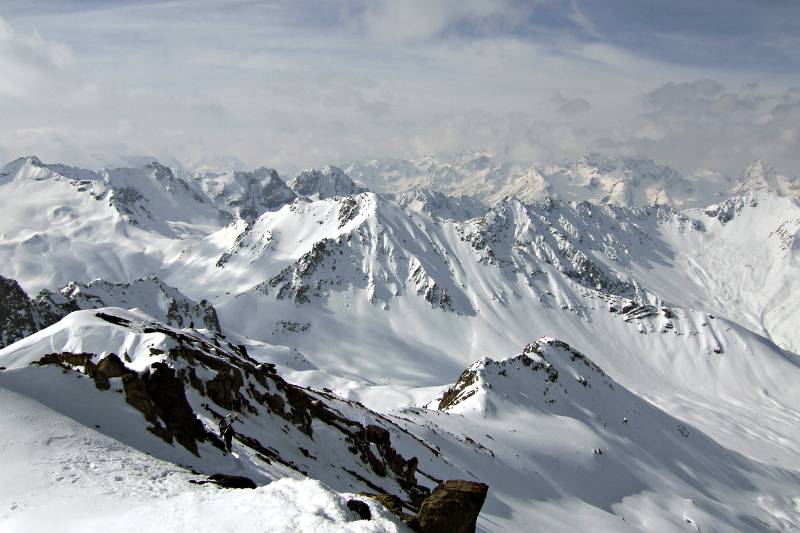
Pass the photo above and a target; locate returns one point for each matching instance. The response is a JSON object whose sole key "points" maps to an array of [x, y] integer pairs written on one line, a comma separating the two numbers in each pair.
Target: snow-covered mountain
{"points": [[596, 178], [247, 194], [761, 176], [440, 205], [326, 183], [545, 423], [23, 315], [675, 327]]}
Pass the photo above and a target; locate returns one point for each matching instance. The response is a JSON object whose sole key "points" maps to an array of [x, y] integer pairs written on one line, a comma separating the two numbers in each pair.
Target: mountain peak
{"points": [[762, 176], [547, 368], [328, 182]]}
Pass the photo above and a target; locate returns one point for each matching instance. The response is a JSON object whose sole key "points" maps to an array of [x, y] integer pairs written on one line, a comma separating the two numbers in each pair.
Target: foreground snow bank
{"points": [[60, 475], [283, 505]]}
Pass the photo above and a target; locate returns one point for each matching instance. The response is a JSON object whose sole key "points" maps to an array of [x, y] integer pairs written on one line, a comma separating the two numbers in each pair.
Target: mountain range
{"points": [[606, 343]]}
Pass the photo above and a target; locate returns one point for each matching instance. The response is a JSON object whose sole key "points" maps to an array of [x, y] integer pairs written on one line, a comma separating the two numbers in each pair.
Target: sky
{"points": [[301, 83]]}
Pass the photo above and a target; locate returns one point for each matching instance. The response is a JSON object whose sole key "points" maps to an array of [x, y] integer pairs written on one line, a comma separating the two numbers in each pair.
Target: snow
{"points": [[58, 473], [595, 177], [688, 310]]}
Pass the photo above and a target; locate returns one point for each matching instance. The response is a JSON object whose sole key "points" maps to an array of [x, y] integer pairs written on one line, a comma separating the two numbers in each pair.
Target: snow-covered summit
{"points": [[24, 315], [247, 194], [328, 182], [440, 205], [624, 181], [32, 168], [761, 176], [149, 295]]}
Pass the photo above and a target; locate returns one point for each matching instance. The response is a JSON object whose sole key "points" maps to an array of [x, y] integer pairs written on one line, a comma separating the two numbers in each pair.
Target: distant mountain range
{"points": [[603, 342]]}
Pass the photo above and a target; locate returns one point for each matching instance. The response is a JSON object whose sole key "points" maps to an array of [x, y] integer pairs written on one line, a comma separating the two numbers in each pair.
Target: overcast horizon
{"points": [[299, 84]]}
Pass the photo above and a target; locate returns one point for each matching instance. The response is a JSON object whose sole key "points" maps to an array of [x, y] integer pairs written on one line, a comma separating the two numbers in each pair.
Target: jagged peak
{"points": [[31, 160], [324, 183], [438, 204], [547, 368]]}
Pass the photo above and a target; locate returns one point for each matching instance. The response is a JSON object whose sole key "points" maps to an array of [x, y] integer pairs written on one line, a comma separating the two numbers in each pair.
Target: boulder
{"points": [[453, 507], [360, 508], [227, 481]]}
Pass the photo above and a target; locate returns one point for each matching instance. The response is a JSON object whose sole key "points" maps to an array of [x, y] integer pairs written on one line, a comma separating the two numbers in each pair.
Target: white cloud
{"points": [[419, 20], [200, 80], [27, 60], [571, 106]]}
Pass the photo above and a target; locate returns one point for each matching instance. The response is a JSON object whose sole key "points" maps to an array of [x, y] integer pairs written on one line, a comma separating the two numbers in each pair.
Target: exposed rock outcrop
{"points": [[191, 377], [228, 481], [453, 507], [18, 315]]}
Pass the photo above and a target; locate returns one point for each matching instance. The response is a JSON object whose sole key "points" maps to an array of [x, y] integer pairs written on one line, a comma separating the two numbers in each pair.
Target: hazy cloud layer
{"points": [[302, 83]]}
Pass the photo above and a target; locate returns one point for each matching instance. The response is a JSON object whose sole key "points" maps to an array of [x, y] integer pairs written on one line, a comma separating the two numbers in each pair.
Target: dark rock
{"points": [[136, 395], [377, 434], [224, 389], [453, 507], [231, 482], [242, 384], [391, 502], [18, 317], [111, 366], [360, 508], [167, 392]]}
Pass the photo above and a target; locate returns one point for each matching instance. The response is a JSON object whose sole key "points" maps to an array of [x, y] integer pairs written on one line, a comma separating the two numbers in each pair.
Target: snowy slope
{"points": [[384, 300], [149, 295], [60, 473], [22, 315], [559, 441], [361, 277], [440, 205], [161, 390], [70, 224], [568, 448]]}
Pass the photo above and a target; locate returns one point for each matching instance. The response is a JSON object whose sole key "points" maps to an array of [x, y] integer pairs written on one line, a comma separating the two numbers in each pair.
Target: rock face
{"points": [[157, 393], [453, 507], [326, 183], [18, 316], [176, 378]]}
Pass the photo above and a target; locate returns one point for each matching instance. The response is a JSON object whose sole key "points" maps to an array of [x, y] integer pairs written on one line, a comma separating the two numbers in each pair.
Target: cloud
{"points": [[420, 20], [304, 83], [571, 106], [672, 95], [705, 123], [27, 60]]}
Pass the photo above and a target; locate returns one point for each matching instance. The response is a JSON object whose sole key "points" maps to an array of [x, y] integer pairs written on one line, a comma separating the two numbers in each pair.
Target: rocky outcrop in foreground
{"points": [[452, 507], [179, 379]]}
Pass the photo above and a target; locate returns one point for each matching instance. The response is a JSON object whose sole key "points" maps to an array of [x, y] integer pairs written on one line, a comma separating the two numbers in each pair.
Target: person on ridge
{"points": [[226, 431]]}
